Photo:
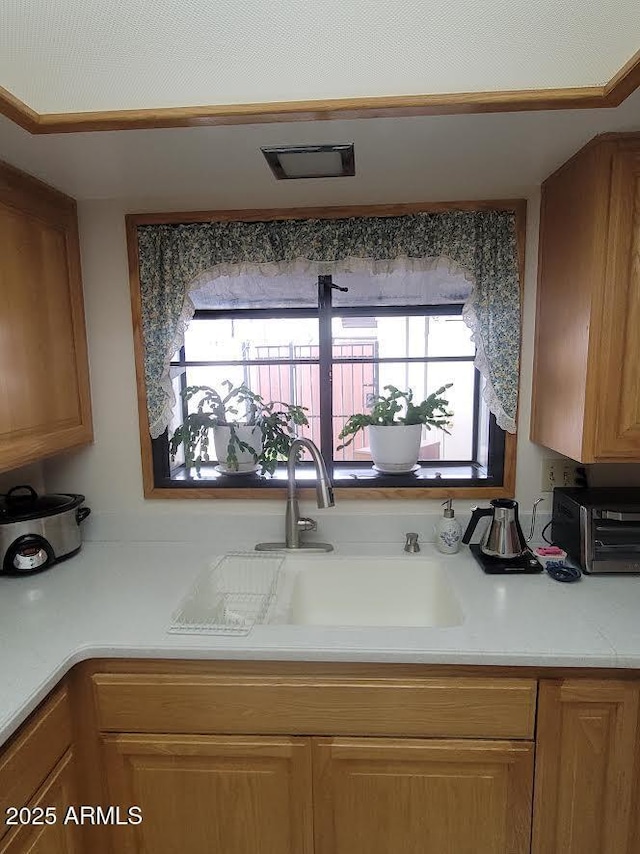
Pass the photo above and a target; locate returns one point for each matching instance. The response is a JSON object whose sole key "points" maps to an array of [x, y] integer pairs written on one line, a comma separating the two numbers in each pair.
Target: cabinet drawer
{"points": [[299, 705], [34, 751]]}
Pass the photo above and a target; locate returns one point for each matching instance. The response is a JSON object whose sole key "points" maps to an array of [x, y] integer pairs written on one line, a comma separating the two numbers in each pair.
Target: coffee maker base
{"points": [[525, 564]]}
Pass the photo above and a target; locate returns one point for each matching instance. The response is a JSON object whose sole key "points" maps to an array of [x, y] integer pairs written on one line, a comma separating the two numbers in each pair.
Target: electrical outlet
{"points": [[557, 471], [548, 475]]}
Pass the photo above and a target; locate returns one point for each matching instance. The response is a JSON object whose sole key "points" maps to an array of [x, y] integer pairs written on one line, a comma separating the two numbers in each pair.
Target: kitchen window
{"points": [[330, 342], [332, 359]]}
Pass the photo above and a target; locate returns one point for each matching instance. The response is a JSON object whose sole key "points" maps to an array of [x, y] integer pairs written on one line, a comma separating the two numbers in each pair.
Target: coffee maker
{"points": [[503, 547]]}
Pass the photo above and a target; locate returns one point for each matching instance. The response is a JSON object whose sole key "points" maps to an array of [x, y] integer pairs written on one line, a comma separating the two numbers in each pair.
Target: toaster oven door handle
{"points": [[628, 547], [617, 516], [617, 529]]}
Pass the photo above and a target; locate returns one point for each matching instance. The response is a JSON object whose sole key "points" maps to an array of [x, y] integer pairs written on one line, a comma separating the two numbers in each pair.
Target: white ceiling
{"points": [[428, 158], [76, 55]]}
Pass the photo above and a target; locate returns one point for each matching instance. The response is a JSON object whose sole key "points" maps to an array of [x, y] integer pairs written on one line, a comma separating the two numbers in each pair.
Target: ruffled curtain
{"points": [[481, 245]]}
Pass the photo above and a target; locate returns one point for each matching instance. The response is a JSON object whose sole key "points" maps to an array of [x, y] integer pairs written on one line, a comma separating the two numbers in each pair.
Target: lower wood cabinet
{"points": [[200, 794], [264, 795], [38, 771], [59, 792], [334, 766], [587, 769], [378, 796], [371, 760]]}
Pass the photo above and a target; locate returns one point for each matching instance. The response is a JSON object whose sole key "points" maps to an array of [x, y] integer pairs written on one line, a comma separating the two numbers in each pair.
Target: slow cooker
{"points": [[37, 531]]}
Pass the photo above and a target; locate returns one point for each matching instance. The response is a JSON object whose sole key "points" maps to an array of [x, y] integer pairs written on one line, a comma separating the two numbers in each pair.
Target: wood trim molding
{"points": [[624, 82], [138, 352], [336, 212], [381, 493], [611, 94], [337, 108], [16, 110], [507, 490]]}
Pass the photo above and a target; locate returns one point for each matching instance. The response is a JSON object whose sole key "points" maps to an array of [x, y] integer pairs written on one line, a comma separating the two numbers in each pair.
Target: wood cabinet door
{"points": [[586, 766], [60, 792], [615, 379], [213, 794], [44, 382], [414, 796]]}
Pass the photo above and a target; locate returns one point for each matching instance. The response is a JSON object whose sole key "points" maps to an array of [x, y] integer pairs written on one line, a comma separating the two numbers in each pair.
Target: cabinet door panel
{"points": [[37, 333], [585, 767], [375, 796], [586, 389], [571, 264], [224, 795], [26, 763], [618, 377], [44, 385], [59, 792]]}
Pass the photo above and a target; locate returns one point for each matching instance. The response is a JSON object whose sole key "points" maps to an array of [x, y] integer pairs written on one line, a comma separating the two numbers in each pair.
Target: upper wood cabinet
{"points": [[45, 403], [586, 388]]}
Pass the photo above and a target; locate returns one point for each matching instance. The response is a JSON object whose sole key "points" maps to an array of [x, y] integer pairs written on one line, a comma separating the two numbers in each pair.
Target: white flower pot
{"points": [[396, 447], [246, 462]]}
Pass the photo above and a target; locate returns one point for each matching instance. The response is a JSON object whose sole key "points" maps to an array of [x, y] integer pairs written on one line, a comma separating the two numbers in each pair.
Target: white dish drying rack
{"points": [[231, 596]]}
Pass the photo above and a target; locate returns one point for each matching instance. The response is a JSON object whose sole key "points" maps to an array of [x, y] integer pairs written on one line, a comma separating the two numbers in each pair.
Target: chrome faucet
{"points": [[294, 523]]}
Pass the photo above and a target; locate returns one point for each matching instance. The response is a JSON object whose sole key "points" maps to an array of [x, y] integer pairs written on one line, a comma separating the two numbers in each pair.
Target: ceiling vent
{"points": [[311, 161]]}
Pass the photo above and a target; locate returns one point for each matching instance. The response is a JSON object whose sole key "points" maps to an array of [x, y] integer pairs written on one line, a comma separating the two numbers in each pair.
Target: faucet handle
{"points": [[305, 523], [412, 545]]}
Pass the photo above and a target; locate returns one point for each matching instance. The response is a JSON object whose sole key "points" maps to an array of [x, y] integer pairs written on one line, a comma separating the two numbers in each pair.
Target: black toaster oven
{"points": [[599, 528]]}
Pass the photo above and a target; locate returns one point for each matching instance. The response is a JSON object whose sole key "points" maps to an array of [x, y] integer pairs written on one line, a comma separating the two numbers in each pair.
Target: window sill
{"points": [[443, 480]]}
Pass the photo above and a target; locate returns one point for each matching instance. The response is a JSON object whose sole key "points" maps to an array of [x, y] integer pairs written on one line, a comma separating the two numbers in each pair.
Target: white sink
{"points": [[357, 591]]}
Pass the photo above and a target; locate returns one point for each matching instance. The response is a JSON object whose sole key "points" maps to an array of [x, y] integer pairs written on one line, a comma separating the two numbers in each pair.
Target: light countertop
{"points": [[116, 600]]}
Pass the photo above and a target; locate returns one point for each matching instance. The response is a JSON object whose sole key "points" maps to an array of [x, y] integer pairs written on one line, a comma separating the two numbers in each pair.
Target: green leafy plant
{"points": [[238, 406], [386, 411]]}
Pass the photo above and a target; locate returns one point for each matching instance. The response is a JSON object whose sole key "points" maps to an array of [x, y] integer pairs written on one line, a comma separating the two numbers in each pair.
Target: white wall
{"points": [[33, 475], [109, 472]]}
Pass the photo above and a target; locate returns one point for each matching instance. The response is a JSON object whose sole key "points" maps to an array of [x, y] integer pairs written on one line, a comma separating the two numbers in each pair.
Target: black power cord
{"points": [[557, 569], [560, 571], [542, 534]]}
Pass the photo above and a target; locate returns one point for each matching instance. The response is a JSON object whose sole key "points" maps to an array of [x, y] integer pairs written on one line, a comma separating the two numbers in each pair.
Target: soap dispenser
{"points": [[448, 531]]}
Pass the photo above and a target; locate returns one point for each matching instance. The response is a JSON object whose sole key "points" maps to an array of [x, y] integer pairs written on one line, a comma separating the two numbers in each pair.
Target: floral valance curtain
{"points": [[482, 245]]}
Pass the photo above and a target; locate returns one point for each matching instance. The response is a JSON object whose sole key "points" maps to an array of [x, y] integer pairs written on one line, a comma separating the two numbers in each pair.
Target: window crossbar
{"points": [[343, 360]]}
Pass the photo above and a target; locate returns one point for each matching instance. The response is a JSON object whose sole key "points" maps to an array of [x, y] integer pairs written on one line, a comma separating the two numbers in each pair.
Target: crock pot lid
{"points": [[23, 503]]}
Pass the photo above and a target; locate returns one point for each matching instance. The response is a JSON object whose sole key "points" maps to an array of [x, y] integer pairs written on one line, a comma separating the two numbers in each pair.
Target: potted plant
{"points": [[249, 433], [395, 424]]}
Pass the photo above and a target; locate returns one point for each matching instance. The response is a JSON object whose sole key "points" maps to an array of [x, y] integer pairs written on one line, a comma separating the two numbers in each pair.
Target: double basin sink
{"points": [[301, 589]]}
